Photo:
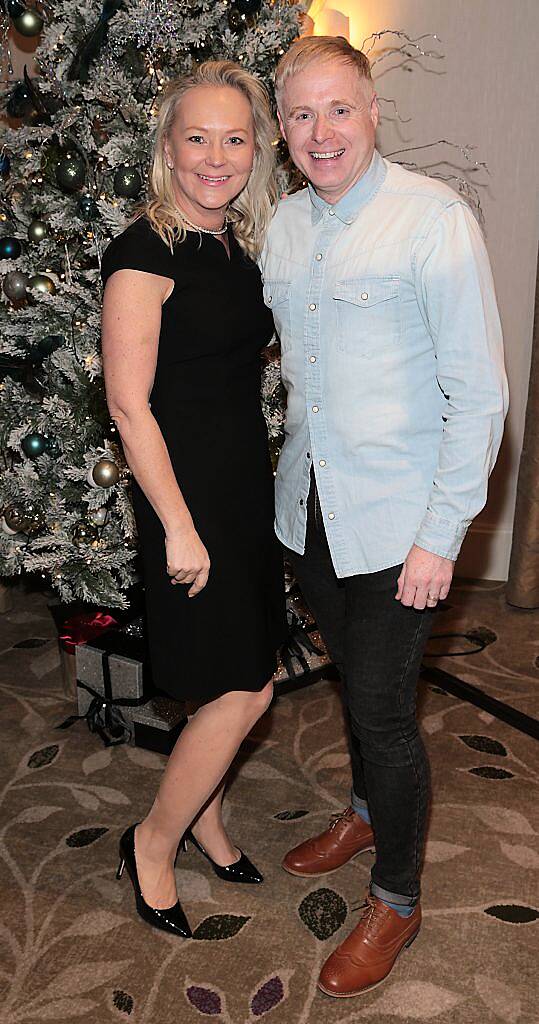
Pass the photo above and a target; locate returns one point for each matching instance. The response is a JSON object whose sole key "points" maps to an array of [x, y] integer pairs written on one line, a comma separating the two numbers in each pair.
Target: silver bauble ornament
{"points": [[43, 284], [99, 516], [29, 23], [6, 528], [15, 285], [28, 521], [104, 474], [37, 230], [14, 520]]}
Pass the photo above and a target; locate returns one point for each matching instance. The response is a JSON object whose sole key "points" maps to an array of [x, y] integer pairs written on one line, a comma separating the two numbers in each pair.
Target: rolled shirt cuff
{"points": [[441, 536]]}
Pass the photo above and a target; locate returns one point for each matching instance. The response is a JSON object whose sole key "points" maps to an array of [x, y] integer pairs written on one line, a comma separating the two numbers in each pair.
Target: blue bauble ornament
{"points": [[10, 248], [88, 208], [34, 445], [47, 345], [5, 165]]}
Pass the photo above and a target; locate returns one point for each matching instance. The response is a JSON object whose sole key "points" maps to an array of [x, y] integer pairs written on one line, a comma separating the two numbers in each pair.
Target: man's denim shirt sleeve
{"points": [[456, 295]]}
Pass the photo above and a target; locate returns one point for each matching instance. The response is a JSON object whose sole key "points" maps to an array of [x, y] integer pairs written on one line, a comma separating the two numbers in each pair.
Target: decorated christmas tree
{"points": [[73, 166]]}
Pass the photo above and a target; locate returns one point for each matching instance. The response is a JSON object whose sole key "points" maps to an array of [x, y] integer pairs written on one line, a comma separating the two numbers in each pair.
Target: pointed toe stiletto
{"points": [[172, 919], [241, 870]]}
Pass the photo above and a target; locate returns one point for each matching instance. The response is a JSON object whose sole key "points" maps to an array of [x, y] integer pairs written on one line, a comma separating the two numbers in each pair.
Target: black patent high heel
{"points": [[241, 870], [172, 919]]}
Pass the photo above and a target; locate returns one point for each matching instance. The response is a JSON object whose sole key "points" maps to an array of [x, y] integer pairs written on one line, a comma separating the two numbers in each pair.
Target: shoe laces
{"points": [[372, 917], [341, 817]]}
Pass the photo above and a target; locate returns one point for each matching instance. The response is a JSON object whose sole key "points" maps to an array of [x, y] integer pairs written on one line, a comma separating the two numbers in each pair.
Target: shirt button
{"points": [[364, 295], [318, 256], [322, 462], [312, 307], [301, 501], [331, 515], [315, 408], [312, 359], [308, 455], [270, 298]]}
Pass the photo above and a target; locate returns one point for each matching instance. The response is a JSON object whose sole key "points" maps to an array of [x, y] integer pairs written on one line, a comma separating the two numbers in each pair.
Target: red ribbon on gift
{"points": [[84, 627]]}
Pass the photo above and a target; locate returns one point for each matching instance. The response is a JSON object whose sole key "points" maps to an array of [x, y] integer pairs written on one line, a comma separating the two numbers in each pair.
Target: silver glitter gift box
{"points": [[158, 723], [115, 666]]}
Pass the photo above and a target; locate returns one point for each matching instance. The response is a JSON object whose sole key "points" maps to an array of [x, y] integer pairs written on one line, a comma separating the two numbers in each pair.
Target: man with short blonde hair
{"points": [[306, 53], [392, 360]]}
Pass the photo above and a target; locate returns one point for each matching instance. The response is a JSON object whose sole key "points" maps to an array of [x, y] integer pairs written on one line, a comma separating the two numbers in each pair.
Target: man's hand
{"points": [[425, 579]]}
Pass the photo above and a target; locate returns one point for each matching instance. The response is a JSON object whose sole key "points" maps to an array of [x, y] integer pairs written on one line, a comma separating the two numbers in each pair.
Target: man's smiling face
{"points": [[328, 116]]}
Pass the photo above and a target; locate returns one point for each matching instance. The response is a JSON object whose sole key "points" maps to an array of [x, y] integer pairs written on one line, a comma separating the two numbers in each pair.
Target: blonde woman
{"points": [[183, 325]]}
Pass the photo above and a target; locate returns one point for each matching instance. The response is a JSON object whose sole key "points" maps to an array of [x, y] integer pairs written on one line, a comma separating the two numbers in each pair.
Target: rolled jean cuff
{"points": [[393, 897], [357, 803]]}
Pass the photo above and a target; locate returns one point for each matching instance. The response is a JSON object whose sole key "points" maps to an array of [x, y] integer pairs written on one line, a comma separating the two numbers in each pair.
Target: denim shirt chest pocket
{"points": [[368, 311], [277, 298]]}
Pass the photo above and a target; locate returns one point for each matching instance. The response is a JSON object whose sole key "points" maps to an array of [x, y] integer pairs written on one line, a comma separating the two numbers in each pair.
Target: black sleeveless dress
{"points": [[206, 400]]}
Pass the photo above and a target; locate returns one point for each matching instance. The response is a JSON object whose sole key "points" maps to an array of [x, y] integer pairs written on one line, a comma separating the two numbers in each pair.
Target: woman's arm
{"points": [[130, 337]]}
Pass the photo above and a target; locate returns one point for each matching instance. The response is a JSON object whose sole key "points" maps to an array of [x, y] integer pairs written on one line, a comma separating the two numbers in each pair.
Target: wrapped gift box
{"points": [[303, 658], [76, 624], [116, 666], [158, 723]]}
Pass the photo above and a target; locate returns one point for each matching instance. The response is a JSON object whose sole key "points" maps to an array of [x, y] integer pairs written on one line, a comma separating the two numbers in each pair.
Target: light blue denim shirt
{"points": [[392, 361]]}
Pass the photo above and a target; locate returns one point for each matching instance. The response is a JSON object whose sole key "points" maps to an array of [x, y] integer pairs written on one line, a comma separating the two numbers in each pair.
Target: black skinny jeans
{"points": [[377, 645]]}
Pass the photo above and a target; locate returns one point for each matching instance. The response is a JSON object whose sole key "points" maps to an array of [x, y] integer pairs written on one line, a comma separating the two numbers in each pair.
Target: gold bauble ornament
{"points": [[105, 473], [43, 284], [37, 230], [29, 23]]}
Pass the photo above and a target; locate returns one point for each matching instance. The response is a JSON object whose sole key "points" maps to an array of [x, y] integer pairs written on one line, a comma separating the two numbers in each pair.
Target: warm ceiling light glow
{"points": [[332, 23]]}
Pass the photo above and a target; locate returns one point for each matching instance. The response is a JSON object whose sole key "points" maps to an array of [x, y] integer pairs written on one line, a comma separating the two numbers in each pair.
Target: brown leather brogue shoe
{"points": [[367, 956], [347, 836]]}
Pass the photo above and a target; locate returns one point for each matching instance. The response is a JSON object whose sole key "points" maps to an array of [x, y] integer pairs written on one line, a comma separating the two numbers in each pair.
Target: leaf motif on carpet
{"points": [[323, 912], [219, 927]]}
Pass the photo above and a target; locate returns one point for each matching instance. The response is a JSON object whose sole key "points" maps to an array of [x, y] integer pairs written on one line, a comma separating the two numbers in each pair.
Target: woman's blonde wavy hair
{"points": [[251, 211]]}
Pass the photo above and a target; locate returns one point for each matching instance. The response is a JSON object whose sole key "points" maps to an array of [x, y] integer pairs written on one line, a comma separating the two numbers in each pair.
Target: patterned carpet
{"points": [[72, 948]]}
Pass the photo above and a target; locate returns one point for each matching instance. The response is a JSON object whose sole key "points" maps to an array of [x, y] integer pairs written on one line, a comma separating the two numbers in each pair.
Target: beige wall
{"points": [[486, 93]]}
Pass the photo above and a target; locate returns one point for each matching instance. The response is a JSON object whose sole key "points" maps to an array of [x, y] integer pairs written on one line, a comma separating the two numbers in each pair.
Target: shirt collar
{"points": [[351, 202]]}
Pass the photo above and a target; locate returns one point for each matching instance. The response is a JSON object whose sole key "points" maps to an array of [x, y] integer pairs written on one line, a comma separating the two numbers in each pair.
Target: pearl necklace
{"points": [[205, 231]]}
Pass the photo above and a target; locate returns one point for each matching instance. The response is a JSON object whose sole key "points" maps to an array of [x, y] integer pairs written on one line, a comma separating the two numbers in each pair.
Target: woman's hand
{"points": [[187, 560]]}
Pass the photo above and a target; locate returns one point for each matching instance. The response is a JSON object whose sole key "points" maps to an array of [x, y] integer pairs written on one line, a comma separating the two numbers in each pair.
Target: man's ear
{"points": [[281, 126], [375, 111]]}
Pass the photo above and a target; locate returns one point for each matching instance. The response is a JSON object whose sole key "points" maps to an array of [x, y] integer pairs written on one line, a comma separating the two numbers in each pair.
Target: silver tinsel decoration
{"points": [[156, 22]]}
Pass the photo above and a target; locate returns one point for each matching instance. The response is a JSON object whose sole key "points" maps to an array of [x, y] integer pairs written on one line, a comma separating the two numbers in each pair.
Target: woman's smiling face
{"points": [[210, 150]]}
